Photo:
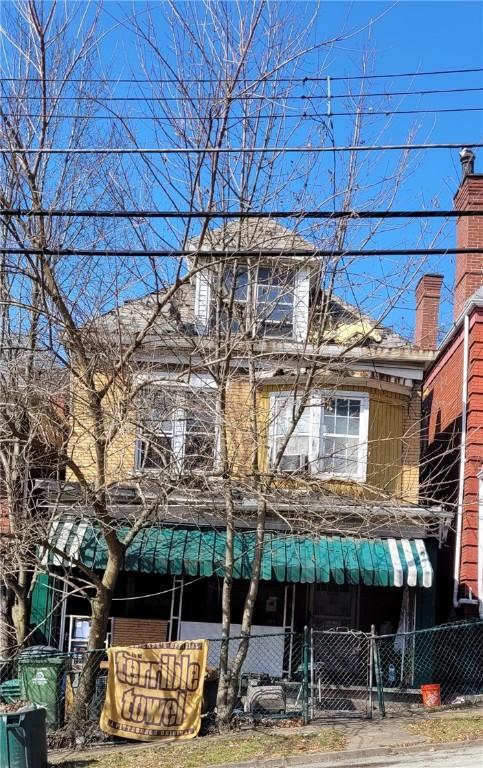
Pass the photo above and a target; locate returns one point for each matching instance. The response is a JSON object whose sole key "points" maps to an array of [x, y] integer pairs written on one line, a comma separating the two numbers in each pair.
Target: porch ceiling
{"points": [[286, 558]]}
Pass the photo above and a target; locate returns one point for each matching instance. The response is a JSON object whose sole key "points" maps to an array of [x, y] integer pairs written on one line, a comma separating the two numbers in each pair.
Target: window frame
{"points": [[261, 326], [264, 324], [316, 437], [180, 418]]}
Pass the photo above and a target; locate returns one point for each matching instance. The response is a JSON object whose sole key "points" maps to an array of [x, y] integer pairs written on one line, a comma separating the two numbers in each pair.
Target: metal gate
{"points": [[340, 672]]}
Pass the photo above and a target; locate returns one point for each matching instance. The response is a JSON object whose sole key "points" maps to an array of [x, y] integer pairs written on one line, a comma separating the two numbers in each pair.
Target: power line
{"points": [[238, 97], [293, 214], [239, 118], [305, 79], [221, 254], [233, 150]]}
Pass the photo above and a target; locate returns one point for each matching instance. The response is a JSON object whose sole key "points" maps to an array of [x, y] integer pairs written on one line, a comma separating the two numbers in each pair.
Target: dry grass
{"points": [[212, 750], [450, 729]]}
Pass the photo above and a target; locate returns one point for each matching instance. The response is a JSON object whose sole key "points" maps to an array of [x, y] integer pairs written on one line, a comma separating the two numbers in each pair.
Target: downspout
{"points": [[480, 543], [461, 487]]}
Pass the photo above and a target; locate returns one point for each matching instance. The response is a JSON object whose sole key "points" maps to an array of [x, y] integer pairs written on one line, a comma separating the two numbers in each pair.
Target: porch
{"points": [[170, 588]]}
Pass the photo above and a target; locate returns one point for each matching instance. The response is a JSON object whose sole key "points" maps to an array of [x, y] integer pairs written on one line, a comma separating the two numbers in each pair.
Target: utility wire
{"points": [[219, 254], [244, 96], [311, 214], [231, 150], [239, 118], [308, 78]]}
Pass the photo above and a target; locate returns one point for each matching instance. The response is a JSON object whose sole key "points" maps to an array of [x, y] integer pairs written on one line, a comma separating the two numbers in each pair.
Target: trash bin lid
{"points": [[40, 650]]}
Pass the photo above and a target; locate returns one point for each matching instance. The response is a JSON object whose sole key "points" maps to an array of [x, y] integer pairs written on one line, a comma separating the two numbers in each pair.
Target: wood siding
{"points": [[393, 439]]}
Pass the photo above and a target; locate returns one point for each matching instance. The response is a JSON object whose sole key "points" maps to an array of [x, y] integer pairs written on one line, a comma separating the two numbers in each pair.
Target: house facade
{"points": [[320, 418], [453, 413]]}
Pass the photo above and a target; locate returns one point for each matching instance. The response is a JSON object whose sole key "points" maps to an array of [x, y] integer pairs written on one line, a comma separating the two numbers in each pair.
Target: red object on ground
{"points": [[431, 695]]}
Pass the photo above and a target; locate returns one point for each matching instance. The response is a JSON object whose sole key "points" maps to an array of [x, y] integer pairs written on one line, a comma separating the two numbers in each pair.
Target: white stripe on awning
{"points": [[425, 563], [412, 578], [73, 550], [62, 541], [44, 555], [396, 563]]}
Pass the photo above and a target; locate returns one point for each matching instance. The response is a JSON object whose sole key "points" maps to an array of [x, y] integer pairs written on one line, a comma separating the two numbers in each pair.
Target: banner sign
{"points": [[155, 692]]}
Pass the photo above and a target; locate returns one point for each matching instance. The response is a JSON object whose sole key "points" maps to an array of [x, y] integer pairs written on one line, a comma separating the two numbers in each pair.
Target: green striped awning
{"points": [[196, 552]]}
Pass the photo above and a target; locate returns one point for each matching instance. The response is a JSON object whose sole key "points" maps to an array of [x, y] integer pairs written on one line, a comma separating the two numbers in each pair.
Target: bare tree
{"points": [[228, 82], [234, 70]]}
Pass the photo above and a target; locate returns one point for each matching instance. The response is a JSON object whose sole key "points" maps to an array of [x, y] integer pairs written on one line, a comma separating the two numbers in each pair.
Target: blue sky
{"points": [[401, 37], [398, 37], [424, 36]]}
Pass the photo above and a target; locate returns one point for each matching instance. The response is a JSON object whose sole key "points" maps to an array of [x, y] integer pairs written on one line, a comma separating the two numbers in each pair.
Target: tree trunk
{"points": [[224, 706], [100, 610], [230, 673], [5, 623], [20, 618]]}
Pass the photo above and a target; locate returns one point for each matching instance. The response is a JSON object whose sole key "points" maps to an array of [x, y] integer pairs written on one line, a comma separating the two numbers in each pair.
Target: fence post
{"points": [[312, 678], [377, 672], [371, 656], [305, 672]]}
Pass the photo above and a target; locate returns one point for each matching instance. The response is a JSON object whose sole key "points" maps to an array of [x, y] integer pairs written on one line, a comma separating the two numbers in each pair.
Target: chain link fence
{"points": [[340, 674], [274, 679], [449, 656], [309, 675]]}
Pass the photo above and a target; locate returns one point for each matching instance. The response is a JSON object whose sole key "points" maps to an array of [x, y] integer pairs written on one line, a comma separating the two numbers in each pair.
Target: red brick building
{"points": [[453, 407]]}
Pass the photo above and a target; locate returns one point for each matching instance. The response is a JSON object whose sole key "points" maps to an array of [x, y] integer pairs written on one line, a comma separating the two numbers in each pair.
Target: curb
{"points": [[351, 758]]}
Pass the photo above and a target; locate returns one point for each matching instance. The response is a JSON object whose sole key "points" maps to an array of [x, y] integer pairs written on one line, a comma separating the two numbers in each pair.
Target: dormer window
{"points": [[261, 301], [271, 279]]}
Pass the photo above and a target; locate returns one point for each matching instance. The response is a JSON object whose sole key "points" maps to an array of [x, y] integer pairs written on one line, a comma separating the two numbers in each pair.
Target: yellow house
{"points": [[257, 378]]}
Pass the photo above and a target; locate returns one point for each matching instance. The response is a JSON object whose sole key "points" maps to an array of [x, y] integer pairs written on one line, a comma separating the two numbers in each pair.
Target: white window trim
{"points": [[315, 405], [300, 301], [165, 383]]}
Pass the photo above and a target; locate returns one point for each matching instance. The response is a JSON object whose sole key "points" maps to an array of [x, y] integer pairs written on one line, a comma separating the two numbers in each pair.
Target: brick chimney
{"points": [[428, 294], [469, 233]]}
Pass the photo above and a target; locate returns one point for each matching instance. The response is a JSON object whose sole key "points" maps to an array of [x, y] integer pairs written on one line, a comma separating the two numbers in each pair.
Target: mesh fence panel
{"points": [[340, 670], [52, 679], [330, 673], [450, 656], [271, 677]]}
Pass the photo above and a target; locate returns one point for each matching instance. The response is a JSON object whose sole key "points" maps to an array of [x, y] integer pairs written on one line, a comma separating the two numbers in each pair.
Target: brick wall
{"points": [[428, 294], [474, 455], [441, 457], [469, 234], [120, 447], [411, 448]]}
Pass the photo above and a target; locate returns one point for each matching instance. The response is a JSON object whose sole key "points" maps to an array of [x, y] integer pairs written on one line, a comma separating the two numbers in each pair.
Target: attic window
{"points": [[259, 301]]}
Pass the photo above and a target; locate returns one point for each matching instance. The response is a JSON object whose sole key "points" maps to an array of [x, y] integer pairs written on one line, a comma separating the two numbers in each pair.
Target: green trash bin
{"points": [[23, 738], [43, 682]]}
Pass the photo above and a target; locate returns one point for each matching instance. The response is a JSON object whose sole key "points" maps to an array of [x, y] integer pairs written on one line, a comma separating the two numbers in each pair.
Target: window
{"points": [[268, 292], [340, 436], [296, 453], [329, 439], [177, 430], [275, 301]]}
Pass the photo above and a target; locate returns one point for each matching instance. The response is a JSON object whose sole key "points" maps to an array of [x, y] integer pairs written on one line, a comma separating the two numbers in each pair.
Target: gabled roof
{"points": [[248, 235], [252, 234]]}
